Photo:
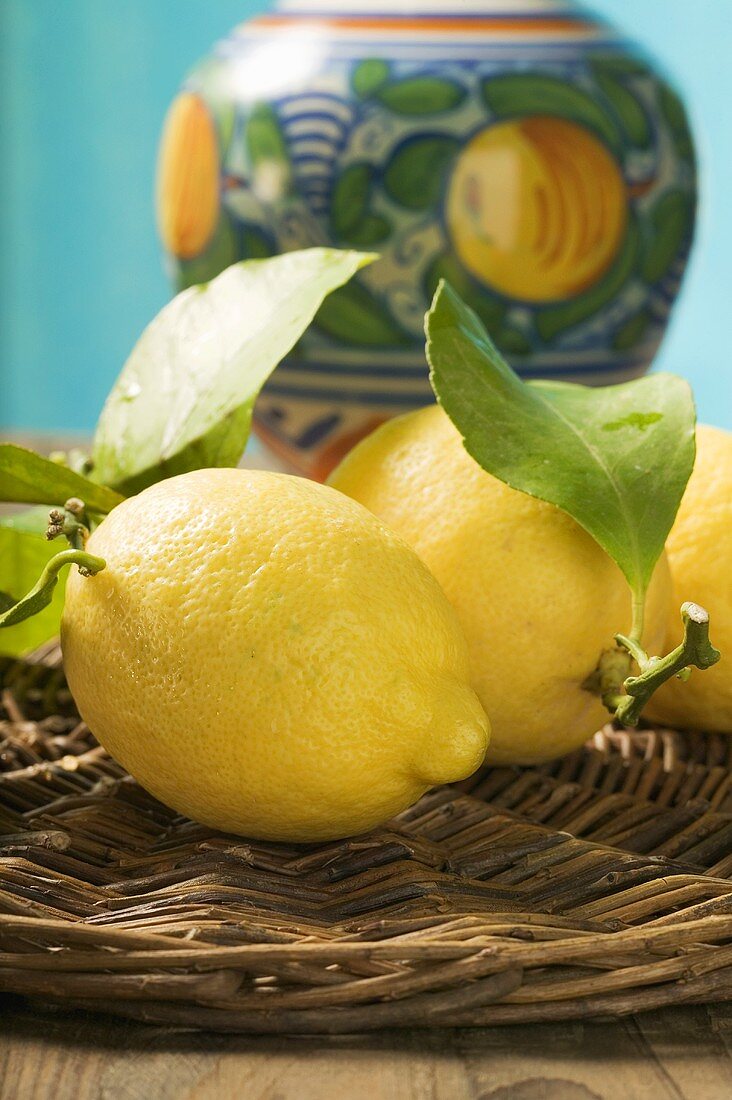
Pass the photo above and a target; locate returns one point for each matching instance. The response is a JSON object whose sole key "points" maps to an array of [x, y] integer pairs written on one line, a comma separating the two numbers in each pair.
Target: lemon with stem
{"points": [[538, 599], [699, 549]]}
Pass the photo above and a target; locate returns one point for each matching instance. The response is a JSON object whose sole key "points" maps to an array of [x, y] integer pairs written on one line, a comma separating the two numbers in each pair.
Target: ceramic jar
{"points": [[518, 148]]}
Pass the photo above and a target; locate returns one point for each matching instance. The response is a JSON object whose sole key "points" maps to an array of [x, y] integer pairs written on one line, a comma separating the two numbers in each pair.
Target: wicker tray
{"points": [[598, 885]]}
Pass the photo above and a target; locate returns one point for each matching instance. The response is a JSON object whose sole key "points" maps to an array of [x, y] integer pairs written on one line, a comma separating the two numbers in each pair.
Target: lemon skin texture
{"points": [[265, 656], [699, 550], [537, 597]]}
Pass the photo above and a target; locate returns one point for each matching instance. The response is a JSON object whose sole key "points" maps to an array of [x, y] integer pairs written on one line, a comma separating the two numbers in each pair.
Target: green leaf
{"points": [[28, 478], [421, 95], [519, 94], [24, 553], [414, 175], [31, 521], [184, 399], [617, 459], [369, 76]]}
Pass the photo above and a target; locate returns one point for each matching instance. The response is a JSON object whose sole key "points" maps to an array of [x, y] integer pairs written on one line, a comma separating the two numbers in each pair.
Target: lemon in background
{"points": [[699, 550], [265, 656], [537, 597]]}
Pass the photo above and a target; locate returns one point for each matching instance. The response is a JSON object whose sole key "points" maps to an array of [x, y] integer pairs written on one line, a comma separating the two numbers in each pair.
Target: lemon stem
{"points": [[638, 619], [635, 649], [624, 695], [41, 593]]}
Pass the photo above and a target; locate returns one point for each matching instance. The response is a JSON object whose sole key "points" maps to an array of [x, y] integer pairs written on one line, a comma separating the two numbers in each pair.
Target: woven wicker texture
{"points": [[600, 884]]}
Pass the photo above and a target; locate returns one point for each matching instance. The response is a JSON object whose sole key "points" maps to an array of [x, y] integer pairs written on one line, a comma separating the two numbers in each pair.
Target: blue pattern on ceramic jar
{"points": [[518, 148]]}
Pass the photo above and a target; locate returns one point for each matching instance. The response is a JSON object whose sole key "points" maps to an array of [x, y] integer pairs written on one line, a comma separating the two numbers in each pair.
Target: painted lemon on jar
{"points": [[537, 208], [188, 178]]}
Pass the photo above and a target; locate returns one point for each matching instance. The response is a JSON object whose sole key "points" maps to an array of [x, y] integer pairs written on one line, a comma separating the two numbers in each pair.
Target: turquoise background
{"points": [[85, 85]]}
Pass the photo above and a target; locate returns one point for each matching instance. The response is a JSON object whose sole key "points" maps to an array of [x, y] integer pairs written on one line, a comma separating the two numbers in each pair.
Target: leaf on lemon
{"points": [[617, 459], [184, 399], [28, 478]]}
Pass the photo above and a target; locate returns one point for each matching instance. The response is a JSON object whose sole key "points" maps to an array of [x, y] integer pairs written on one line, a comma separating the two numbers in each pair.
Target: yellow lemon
{"points": [[699, 550], [265, 656], [537, 208], [537, 597]]}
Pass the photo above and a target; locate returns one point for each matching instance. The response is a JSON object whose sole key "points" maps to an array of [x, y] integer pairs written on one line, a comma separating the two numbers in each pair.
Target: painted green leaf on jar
{"points": [[674, 113], [415, 174], [352, 222], [670, 229], [271, 168], [512, 341], [209, 81], [629, 110], [421, 95], [350, 200], [221, 252], [371, 230], [353, 315], [517, 94], [633, 331], [620, 65], [369, 76], [255, 243]]}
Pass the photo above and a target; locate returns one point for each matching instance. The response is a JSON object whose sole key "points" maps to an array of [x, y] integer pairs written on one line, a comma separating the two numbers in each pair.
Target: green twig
{"points": [[635, 649], [41, 593], [695, 650], [625, 696]]}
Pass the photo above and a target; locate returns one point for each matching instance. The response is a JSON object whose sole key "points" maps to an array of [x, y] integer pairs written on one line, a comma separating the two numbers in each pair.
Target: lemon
{"points": [[537, 597], [699, 550], [265, 656]]}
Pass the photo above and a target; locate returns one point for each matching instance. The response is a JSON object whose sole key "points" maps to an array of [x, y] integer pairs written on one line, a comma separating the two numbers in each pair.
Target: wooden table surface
{"points": [[682, 1053]]}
